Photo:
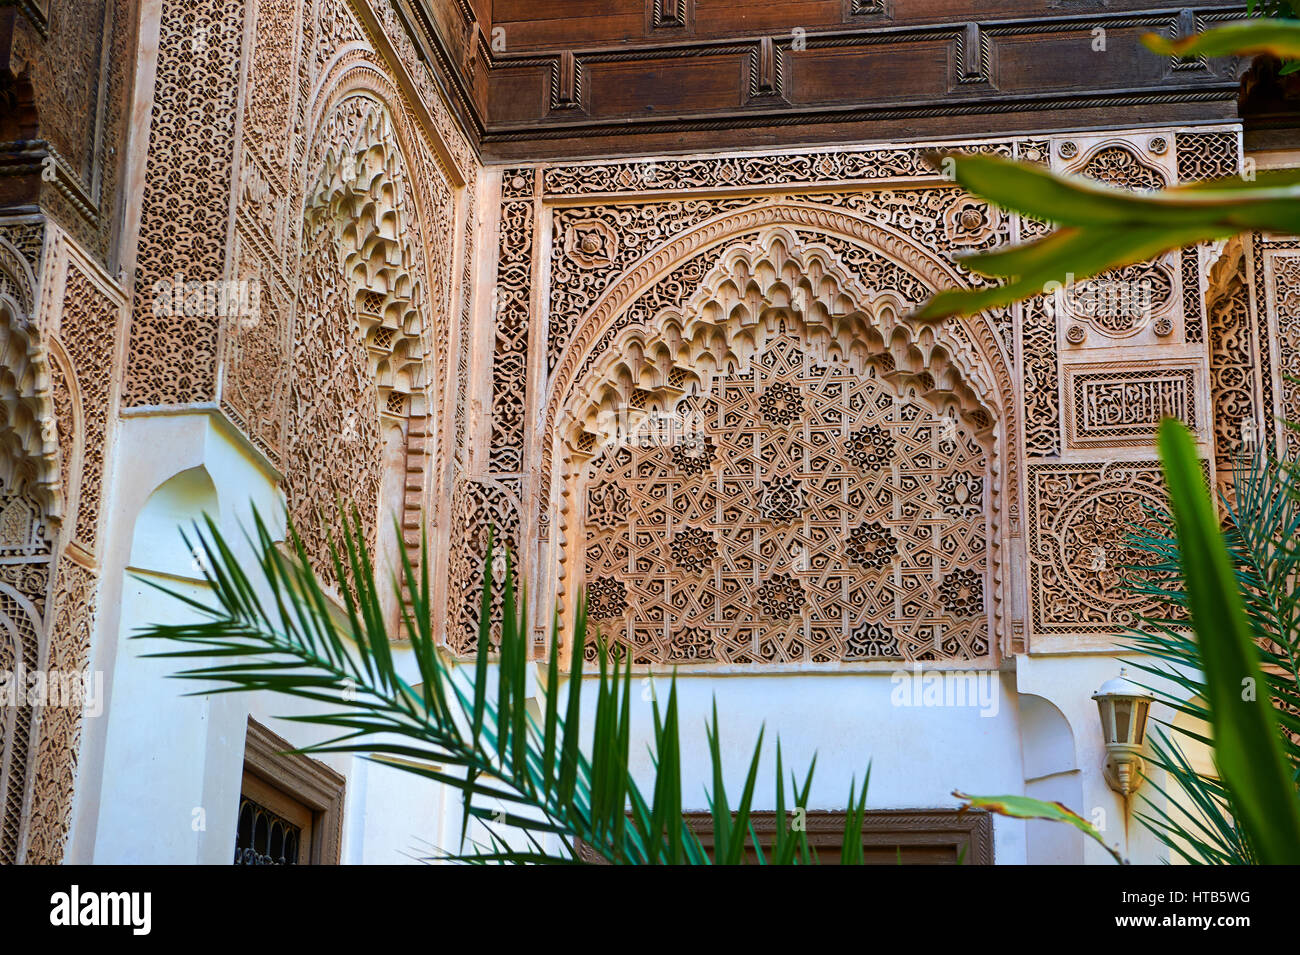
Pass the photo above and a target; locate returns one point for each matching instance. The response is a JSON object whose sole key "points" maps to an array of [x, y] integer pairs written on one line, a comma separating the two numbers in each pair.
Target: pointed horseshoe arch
{"points": [[843, 286]]}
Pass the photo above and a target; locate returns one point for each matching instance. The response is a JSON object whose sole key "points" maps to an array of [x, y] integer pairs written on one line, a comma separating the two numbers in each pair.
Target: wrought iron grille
{"points": [[265, 838]]}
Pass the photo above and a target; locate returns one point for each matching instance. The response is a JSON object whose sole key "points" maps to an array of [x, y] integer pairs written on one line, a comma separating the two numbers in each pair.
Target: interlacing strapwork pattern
{"points": [[90, 330], [478, 508], [334, 441], [629, 244], [1193, 296], [1234, 394], [186, 200], [1202, 156], [1042, 394], [510, 311], [1081, 517], [494, 500], [24, 583], [800, 511], [61, 726], [1284, 282]]}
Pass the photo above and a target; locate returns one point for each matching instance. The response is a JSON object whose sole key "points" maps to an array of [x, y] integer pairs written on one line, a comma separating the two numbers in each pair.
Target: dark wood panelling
{"points": [[520, 95], [599, 78], [638, 89], [713, 19], [889, 837], [910, 69], [909, 124], [1066, 61], [549, 25]]}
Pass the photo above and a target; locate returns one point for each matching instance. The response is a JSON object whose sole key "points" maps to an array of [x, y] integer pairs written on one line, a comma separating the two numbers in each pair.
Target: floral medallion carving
{"points": [[782, 404], [870, 447], [694, 549], [606, 598], [1118, 164], [789, 548], [591, 243], [1081, 554], [872, 545], [1124, 301], [971, 222]]}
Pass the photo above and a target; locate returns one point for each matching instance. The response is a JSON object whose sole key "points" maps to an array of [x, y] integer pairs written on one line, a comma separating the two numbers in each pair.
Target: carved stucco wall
{"points": [[619, 299], [349, 184], [73, 59], [62, 319], [61, 323], [350, 181], [856, 487]]}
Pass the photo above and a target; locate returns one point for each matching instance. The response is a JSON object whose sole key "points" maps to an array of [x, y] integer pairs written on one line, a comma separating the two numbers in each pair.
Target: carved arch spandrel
{"points": [[721, 325], [960, 365], [28, 439], [979, 334], [930, 270], [363, 213], [1235, 400]]}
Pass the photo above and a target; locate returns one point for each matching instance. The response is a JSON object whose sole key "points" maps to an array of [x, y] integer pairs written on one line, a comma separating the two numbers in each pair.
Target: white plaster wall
{"points": [[918, 754], [1042, 739], [155, 757], [1051, 774], [1068, 682], [160, 773]]}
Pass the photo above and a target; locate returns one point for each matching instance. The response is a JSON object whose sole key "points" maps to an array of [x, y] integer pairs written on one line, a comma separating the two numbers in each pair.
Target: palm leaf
{"points": [[526, 784], [1246, 745], [1026, 807]]}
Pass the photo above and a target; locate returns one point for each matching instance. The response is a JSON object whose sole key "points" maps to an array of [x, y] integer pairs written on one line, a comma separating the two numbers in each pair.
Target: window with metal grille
{"points": [[265, 837], [290, 805]]}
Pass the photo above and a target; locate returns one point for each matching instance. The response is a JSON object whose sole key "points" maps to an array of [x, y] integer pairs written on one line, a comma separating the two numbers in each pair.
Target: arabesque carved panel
{"points": [[1081, 557], [1114, 406], [799, 511]]}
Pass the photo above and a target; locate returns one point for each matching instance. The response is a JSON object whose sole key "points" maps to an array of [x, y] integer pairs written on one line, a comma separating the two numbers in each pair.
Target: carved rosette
{"points": [[782, 545], [828, 487], [1081, 518]]}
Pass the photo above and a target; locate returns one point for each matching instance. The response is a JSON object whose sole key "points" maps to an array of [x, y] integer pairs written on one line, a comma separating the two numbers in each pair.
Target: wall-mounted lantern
{"points": [[1123, 706]]}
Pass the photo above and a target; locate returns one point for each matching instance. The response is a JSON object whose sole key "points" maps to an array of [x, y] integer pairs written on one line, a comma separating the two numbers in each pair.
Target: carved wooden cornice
{"points": [[546, 99]]}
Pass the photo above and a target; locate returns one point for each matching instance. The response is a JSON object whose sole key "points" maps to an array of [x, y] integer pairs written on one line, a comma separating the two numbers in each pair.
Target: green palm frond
{"points": [[1099, 227], [529, 783], [1197, 822], [1200, 821]]}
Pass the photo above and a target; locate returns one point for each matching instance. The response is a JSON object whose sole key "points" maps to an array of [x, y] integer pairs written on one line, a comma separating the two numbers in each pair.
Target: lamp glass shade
{"points": [[1140, 707], [1123, 707]]}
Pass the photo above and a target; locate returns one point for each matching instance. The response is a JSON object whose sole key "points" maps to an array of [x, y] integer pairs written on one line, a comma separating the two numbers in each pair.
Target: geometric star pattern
{"points": [[862, 560]]}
